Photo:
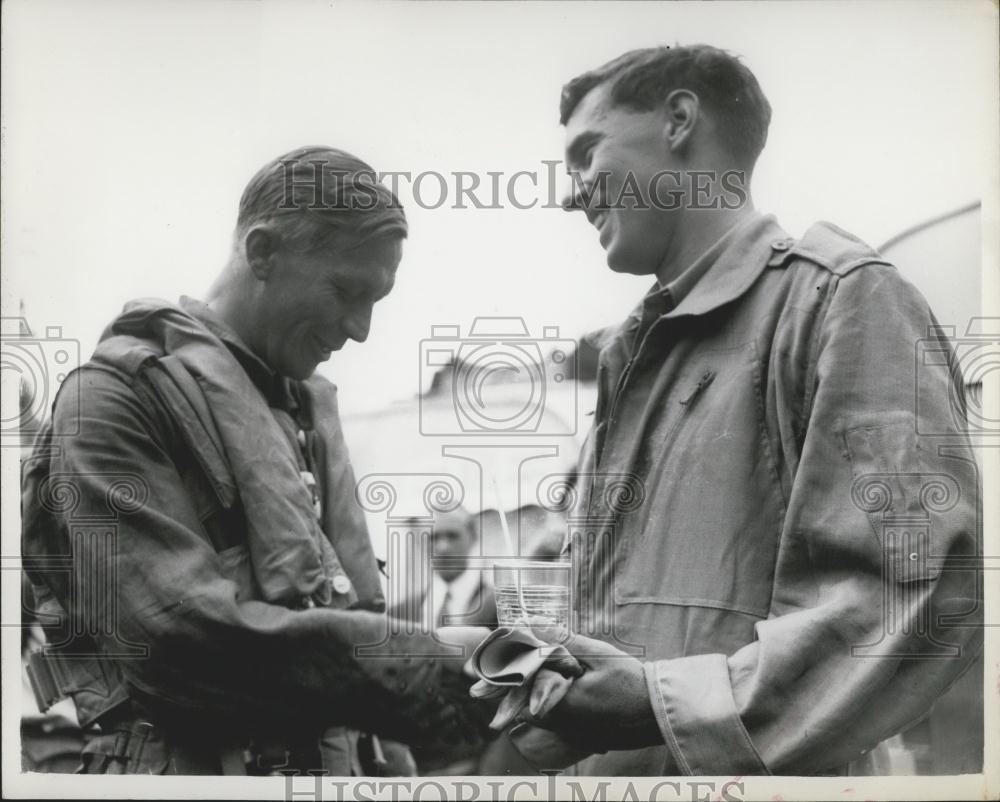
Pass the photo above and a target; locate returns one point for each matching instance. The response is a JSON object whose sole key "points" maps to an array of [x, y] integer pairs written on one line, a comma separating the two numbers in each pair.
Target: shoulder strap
{"points": [[183, 398], [830, 247]]}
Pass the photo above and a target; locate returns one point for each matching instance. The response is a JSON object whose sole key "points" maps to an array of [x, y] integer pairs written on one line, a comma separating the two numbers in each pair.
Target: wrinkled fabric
{"points": [[132, 528], [746, 438], [283, 535]]}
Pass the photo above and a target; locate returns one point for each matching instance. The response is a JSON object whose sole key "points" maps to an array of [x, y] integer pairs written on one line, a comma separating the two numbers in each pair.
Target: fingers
{"points": [[487, 690], [564, 663], [512, 704], [547, 629], [582, 648], [547, 691]]}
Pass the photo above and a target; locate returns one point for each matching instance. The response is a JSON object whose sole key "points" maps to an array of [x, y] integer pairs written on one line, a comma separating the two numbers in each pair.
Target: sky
{"points": [[130, 129]]}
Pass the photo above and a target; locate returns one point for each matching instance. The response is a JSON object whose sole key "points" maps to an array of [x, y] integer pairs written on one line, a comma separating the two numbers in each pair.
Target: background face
{"points": [[125, 156], [453, 538]]}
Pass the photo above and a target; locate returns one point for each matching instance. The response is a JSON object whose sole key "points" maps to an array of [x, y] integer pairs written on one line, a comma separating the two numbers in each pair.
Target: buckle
{"points": [[44, 683]]}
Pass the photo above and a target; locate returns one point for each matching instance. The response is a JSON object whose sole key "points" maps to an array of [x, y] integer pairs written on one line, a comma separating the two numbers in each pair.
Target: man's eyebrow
{"points": [[579, 145]]}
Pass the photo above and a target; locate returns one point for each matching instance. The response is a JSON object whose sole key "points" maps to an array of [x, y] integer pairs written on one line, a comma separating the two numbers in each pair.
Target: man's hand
{"points": [[606, 708]]}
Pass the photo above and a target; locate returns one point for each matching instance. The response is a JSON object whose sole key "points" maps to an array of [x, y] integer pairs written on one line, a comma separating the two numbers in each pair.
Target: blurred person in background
{"points": [[453, 594], [461, 595]]}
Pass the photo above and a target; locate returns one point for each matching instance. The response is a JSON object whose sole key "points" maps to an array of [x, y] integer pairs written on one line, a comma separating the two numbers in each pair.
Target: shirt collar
{"points": [[464, 586], [279, 391], [460, 593]]}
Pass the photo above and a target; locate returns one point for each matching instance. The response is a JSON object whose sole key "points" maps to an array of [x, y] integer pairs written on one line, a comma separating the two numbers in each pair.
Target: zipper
{"points": [[620, 387], [703, 382]]}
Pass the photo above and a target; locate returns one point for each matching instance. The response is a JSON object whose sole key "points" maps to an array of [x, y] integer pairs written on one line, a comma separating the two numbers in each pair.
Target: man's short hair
{"points": [[641, 79], [321, 198]]}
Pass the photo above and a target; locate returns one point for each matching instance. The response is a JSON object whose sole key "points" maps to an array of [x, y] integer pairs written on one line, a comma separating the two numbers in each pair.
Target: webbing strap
{"points": [[43, 679]]}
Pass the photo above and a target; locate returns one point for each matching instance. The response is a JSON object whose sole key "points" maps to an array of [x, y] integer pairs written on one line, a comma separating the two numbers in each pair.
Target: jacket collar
{"points": [[735, 269], [278, 390], [750, 249]]}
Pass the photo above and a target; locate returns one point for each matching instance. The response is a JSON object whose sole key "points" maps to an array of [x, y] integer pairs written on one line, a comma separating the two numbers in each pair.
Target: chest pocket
{"points": [[707, 534]]}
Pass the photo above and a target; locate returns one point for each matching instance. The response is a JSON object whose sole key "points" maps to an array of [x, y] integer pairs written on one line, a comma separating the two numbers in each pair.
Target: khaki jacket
{"points": [[779, 510]]}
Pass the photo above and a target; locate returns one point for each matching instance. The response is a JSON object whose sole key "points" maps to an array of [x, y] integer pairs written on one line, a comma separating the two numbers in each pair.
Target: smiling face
{"points": [[616, 154], [310, 305]]}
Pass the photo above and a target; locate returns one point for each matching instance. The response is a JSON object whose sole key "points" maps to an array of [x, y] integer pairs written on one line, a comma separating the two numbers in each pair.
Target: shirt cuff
{"points": [[693, 702]]}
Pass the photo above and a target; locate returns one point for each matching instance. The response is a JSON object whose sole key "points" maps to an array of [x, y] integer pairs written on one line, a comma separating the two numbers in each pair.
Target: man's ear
{"points": [[261, 245], [682, 111]]}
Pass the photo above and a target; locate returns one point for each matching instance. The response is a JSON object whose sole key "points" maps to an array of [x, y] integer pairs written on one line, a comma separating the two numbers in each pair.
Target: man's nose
{"points": [[358, 324]]}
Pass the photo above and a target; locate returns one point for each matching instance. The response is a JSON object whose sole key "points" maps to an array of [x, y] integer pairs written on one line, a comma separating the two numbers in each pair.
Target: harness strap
{"points": [[45, 683]]}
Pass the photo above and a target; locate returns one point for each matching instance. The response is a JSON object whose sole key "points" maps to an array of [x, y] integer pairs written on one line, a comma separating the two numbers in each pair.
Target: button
{"points": [[914, 557], [781, 244], [302, 438], [341, 584]]}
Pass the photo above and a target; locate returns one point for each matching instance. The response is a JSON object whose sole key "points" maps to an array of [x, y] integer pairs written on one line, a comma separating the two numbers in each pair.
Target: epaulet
{"points": [[829, 247]]}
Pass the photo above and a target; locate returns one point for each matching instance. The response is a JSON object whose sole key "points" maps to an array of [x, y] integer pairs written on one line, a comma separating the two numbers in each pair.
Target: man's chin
{"points": [[620, 262], [299, 373]]}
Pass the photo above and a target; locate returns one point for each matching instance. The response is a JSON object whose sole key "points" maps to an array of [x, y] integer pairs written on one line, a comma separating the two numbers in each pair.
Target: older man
{"points": [[213, 626], [790, 577]]}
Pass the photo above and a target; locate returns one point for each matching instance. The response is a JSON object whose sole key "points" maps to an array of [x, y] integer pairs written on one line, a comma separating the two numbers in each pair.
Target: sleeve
{"points": [[876, 606], [151, 589]]}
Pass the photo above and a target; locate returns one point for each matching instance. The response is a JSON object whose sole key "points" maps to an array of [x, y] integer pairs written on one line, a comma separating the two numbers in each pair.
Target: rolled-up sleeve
{"points": [[875, 608]]}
